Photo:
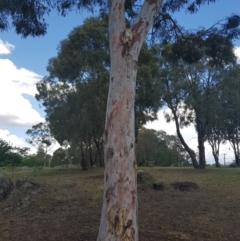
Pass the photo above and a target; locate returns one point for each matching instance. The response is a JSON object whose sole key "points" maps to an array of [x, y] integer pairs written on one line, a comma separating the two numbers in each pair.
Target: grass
{"points": [[68, 206]]}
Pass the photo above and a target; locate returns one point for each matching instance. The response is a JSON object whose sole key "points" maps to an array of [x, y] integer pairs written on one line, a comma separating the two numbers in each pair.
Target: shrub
{"points": [[31, 161], [233, 165]]}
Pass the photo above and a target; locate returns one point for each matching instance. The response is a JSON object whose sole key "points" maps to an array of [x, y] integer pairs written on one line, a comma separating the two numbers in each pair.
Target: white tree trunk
{"points": [[119, 210]]}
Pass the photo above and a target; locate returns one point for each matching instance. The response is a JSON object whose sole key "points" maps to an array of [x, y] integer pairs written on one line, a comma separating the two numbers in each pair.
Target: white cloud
{"points": [[11, 138], [15, 109], [5, 47], [20, 142], [14, 82], [237, 52]]}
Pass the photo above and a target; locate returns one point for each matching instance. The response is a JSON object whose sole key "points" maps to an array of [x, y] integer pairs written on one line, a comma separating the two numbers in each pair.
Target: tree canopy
{"points": [[28, 17], [11, 155], [190, 79], [159, 149], [74, 93]]}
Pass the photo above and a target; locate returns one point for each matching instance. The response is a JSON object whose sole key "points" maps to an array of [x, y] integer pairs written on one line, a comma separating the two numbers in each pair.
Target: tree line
{"points": [[197, 79]]}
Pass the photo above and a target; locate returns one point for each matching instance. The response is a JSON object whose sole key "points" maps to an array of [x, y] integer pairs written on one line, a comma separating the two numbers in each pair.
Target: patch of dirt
{"points": [[67, 208]]}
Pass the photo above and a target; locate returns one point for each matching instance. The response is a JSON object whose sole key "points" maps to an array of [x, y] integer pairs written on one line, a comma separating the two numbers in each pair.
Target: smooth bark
{"points": [[119, 210]]}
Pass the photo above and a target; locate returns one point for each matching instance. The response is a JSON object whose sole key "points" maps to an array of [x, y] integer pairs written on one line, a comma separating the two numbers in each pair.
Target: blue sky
{"points": [[23, 62]]}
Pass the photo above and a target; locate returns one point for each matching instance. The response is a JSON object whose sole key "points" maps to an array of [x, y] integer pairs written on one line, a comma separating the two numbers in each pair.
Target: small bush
{"points": [[233, 165], [36, 170], [31, 161], [144, 177]]}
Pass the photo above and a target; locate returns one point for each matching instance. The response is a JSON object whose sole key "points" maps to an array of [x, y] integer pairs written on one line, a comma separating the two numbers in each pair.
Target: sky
{"points": [[23, 63]]}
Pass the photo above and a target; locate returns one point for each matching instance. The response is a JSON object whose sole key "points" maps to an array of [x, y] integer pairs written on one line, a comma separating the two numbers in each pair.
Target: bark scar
{"points": [[127, 37]]}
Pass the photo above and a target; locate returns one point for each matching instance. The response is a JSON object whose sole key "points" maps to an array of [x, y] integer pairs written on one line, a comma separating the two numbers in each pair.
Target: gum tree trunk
{"points": [[216, 158], [119, 210], [235, 145], [190, 152], [84, 160], [201, 148], [99, 147], [215, 144], [201, 131]]}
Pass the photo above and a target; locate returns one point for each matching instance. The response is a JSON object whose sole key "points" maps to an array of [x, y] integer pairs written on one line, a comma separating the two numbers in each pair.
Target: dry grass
{"points": [[68, 206]]}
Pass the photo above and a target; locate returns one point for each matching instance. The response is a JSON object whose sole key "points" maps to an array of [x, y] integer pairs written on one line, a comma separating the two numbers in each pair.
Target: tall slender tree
{"points": [[192, 82], [230, 99], [173, 96]]}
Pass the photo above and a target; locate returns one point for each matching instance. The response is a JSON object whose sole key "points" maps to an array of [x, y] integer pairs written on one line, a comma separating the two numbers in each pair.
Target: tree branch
{"points": [[143, 23]]}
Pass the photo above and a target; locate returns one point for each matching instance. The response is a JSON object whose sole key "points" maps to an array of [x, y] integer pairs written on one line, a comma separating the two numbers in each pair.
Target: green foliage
{"points": [[10, 155], [40, 135], [26, 16], [191, 80], [147, 88], [37, 170], [157, 148], [59, 157], [191, 49], [75, 92], [233, 165], [11, 159], [31, 161], [229, 104]]}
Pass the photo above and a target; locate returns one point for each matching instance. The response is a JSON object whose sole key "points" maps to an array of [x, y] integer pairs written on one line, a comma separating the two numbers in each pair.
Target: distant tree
{"points": [[75, 92], [40, 136], [215, 131], [192, 86], [148, 147], [158, 148], [31, 161], [59, 157], [75, 95], [172, 79], [175, 152], [11, 155], [230, 101]]}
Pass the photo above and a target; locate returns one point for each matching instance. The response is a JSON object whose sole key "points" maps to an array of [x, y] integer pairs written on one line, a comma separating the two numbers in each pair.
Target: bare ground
{"points": [[68, 204]]}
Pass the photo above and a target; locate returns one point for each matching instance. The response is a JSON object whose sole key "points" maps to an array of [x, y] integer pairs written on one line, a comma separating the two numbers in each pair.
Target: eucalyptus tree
{"points": [[204, 79], [75, 95], [148, 147], [158, 148], [173, 83], [215, 131], [119, 211], [175, 154], [230, 101], [41, 137], [191, 80], [11, 155]]}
